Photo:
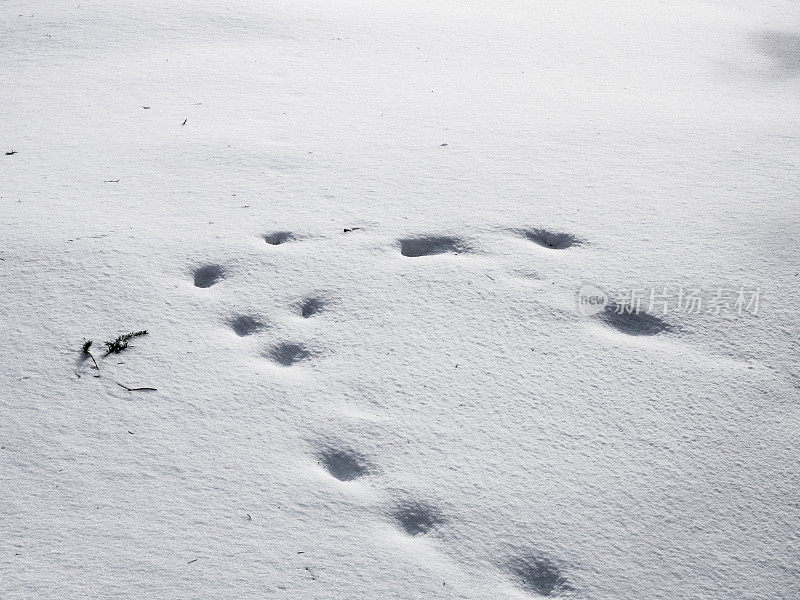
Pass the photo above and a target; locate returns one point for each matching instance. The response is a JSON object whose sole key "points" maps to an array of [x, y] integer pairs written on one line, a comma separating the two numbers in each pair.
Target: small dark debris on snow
{"points": [[184, 122], [443, 145], [346, 230], [139, 389], [111, 181], [85, 350], [146, 107], [10, 153], [193, 560], [121, 343]]}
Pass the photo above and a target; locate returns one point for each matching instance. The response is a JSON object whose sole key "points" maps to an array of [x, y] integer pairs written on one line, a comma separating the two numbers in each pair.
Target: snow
{"points": [[414, 408]]}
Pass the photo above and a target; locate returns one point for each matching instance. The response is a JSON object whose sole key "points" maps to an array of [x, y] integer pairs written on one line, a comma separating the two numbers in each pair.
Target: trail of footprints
{"points": [[634, 323], [413, 517], [533, 571], [285, 353]]}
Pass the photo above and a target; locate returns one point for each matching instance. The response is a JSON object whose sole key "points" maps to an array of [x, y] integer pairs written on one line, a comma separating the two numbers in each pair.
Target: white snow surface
{"points": [[439, 426]]}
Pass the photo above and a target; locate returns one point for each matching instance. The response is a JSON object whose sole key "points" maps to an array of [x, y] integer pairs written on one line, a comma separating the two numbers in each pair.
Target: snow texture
{"points": [[354, 232]]}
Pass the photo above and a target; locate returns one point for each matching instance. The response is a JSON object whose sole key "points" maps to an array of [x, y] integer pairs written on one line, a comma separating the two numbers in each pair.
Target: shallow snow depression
{"points": [[358, 235]]}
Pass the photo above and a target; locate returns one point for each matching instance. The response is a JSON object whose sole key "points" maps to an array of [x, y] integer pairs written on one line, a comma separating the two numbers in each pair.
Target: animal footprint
{"points": [[550, 239], [245, 325], [276, 238], [632, 322], [417, 518], [208, 275], [287, 354], [430, 245], [782, 47], [539, 574], [310, 307], [342, 464]]}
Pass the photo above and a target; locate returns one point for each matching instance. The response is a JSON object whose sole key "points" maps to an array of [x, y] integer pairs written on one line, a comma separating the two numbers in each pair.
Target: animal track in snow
{"points": [[430, 245], [782, 47], [244, 325], [539, 574], [208, 275], [287, 354], [550, 239], [632, 323], [343, 464], [417, 518], [276, 238], [311, 306]]}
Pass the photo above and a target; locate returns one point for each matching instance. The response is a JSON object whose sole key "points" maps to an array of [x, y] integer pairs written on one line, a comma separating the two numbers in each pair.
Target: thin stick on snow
{"points": [[139, 389]]}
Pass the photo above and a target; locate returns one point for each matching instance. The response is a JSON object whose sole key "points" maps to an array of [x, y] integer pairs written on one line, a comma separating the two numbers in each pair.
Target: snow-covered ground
{"points": [[415, 408]]}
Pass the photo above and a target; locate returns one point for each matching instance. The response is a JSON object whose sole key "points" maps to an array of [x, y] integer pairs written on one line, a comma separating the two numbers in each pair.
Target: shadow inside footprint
{"points": [[539, 575], [245, 325], [430, 245], [287, 354], [310, 307], [630, 322], [550, 239], [782, 47], [343, 465], [276, 238], [417, 518], [208, 275]]}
